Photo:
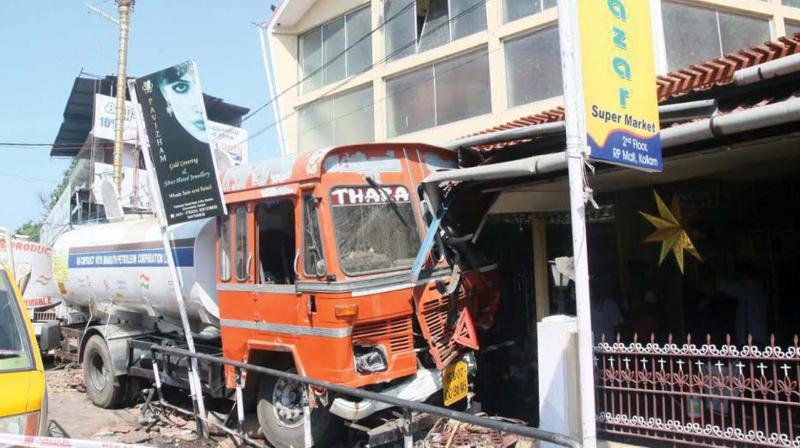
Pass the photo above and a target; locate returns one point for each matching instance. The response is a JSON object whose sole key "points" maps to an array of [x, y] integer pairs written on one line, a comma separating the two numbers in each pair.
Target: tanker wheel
{"points": [[104, 389], [280, 414]]}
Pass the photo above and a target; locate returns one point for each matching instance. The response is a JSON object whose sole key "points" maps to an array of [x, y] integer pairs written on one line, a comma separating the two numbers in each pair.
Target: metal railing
{"points": [[408, 407], [699, 394]]}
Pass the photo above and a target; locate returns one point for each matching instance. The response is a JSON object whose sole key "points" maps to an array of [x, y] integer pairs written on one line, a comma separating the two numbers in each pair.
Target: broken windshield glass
{"points": [[371, 230]]}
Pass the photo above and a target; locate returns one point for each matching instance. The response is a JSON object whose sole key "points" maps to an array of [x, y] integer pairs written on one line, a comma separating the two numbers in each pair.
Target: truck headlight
{"points": [[370, 358], [20, 424]]}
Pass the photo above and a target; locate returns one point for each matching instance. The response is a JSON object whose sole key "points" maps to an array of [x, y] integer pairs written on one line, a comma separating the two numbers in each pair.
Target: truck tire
{"points": [[104, 389], [280, 414]]}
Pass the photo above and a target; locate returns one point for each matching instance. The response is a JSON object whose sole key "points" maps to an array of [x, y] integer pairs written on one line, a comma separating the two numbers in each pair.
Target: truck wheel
{"points": [[104, 389], [280, 414]]}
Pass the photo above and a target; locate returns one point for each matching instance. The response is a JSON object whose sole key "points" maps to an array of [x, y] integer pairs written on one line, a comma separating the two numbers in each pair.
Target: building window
{"points": [[338, 120], [440, 93], [792, 28], [417, 26], [530, 72], [517, 9], [323, 58], [694, 34]]}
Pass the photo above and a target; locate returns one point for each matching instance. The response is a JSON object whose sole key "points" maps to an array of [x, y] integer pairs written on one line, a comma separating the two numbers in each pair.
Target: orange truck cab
{"points": [[314, 275]]}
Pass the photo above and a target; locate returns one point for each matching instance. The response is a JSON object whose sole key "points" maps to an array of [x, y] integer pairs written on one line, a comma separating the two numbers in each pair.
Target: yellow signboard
{"points": [[618, 68]]}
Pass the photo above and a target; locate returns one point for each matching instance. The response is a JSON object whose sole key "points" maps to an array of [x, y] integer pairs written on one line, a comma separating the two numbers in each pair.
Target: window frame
{"points": [[247, 254], [431, 68], [318, 204], [416, 222], [334, 118], [347, 44], [225, 221]]}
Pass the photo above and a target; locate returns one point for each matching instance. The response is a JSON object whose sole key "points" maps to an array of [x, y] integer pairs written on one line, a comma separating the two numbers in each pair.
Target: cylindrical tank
{"points": [[121, 268]]}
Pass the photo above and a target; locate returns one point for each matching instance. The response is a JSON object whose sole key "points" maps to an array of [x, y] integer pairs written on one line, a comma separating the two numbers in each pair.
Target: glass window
{"points": [[517, 9], [336, 50], [359, 41], [400, 30], [313, 257], [424, 24], [694, 34], [738, 31], [242, 250], [469, 17], [441, 93], [375, 228], [311, 57], [410, 104], [792, 28], [795, 3], [15, 346], [530, 73], [339, 120], [225, 247], [462, 87], [333, 44], [435, 26]]}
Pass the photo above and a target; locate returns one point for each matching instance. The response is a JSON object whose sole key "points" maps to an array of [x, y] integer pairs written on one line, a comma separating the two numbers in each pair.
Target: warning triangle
{"points": [[464, 333]]}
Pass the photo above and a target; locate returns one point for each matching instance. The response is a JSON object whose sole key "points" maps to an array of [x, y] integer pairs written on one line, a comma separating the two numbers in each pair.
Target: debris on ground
{"points": [[454, 434]]}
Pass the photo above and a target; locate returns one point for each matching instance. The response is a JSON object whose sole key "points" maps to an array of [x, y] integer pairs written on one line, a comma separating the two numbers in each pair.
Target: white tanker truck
{"points": [[116, 275]]}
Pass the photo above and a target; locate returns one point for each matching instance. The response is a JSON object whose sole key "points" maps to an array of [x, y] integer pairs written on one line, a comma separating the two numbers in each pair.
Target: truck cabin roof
{"points": [[277, 176]]}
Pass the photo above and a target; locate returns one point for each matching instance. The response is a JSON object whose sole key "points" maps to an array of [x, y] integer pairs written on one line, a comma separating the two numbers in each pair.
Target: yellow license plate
{"points": [[455, 382]]}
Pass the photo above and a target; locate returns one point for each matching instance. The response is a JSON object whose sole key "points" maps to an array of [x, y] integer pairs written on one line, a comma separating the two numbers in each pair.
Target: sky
{"points": [[45, 44]]}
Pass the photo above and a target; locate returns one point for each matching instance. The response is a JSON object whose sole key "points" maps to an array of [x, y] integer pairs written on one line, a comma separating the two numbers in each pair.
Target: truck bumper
{"points": [[419, 387]]}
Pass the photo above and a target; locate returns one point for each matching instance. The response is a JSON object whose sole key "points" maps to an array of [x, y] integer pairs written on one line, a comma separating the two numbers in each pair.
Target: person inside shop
{"points": [[606, 316], [747, 290]]}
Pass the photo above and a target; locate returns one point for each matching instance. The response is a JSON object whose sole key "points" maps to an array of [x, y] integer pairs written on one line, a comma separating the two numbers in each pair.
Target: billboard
{"points": [[619, 74], [228, 139], [175, 120]]}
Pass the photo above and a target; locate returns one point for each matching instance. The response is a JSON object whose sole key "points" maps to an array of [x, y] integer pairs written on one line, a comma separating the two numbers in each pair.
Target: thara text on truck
{"points": [[310, 272]]}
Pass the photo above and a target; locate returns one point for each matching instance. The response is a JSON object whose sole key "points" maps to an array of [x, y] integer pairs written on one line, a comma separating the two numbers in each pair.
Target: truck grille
{"points": [[398, 331], [437, 330]]}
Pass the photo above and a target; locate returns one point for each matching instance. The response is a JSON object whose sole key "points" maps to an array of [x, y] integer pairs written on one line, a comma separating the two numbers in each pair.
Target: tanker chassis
{"points": [[308, 272]]}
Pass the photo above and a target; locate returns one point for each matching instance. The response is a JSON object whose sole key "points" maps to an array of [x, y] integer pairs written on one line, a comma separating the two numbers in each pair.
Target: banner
{"points": [[103, 126], [175, 120], [619, 75], [228, 139]]}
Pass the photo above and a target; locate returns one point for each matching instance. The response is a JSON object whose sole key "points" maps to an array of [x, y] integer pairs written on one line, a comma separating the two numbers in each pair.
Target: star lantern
{"points": [[670, 232]]}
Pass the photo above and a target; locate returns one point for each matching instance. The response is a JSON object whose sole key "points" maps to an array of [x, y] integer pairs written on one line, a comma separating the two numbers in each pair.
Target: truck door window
{"points": [[276, 242], [242, 254], [313, 259], [225, 248]]}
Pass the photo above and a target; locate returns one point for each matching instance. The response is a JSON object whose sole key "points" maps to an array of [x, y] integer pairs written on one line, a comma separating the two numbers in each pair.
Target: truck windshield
{"points": [[372, 233], [15, 351]]}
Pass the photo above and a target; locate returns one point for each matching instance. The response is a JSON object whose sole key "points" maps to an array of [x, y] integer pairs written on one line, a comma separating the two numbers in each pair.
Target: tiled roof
{"points": [[694, 78]]}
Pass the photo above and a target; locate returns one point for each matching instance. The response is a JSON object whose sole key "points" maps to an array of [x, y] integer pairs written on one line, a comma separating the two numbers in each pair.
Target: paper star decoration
{"points": [[670, 232]]}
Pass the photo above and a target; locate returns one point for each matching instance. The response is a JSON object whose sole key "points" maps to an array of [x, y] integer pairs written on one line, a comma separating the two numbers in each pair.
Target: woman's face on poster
{"points": [[181, 95]]}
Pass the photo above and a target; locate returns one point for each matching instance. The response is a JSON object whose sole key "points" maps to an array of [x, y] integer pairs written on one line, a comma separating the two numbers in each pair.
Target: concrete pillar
{"points": [[559, 392], [541, 269]]}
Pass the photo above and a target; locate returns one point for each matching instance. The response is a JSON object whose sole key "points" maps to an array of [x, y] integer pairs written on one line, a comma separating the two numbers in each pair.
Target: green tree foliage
{"points": [[30, 229]]}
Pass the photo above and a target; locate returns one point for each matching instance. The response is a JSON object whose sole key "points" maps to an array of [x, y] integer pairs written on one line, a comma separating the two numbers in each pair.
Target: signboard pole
{"points": [[569, 34], [177, 282]]}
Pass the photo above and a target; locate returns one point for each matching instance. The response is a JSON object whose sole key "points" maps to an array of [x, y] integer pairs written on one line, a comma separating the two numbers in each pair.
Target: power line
{"points": [[28, 178]]}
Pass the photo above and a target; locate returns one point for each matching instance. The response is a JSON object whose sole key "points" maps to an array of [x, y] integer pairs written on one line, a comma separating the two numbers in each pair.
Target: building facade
{"points": [[348, 71]]}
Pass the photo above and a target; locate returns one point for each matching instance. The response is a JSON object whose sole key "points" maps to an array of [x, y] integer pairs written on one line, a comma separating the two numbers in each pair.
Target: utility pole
{"points": [[119, 121]]}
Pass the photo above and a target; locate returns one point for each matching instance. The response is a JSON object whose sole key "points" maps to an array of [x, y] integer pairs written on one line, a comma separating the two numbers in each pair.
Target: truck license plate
{"points": [[456, 382]]}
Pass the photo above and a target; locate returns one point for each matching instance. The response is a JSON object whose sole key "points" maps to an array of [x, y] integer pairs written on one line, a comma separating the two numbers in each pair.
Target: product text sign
{"points": [[618, 68], [175, 119]]}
